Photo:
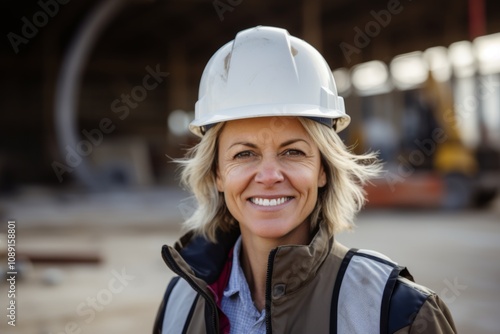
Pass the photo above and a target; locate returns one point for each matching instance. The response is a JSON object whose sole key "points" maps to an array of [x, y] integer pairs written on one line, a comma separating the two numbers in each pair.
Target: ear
{"points": [[321, 177]]}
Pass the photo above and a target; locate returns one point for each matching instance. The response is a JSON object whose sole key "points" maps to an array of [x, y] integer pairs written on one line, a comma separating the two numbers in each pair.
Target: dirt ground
{"points": [[454, 253]]}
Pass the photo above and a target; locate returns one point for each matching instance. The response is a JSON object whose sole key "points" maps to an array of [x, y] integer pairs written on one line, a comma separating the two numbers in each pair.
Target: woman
{"points": [[274, 183]]}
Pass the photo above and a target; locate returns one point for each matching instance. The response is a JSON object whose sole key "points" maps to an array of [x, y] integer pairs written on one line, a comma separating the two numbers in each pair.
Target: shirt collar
{"points": [[237, 280]]}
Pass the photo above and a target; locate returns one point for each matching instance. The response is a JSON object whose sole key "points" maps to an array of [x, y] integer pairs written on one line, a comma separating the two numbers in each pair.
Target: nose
{"points": [[269, 171]]}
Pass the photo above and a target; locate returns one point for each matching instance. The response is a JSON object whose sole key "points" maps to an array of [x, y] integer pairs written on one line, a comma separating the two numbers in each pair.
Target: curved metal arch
{"points": [[69, 82]]}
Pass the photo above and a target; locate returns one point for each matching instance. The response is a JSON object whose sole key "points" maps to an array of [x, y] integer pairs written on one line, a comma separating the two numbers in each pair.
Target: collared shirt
{"points": [[237, 301]]}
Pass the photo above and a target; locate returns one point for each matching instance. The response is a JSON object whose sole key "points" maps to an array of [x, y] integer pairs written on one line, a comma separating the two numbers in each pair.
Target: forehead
{"points": [[262, 129]]}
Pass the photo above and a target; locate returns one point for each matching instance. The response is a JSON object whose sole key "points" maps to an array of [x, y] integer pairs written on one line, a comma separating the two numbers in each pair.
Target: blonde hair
{"points": [[338, 201]]}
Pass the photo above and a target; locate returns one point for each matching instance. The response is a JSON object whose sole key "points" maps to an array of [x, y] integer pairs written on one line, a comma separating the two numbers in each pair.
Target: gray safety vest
{"points": [[362, 292]]}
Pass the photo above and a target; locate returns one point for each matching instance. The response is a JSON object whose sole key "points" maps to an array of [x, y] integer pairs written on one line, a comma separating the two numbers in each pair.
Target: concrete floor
{"points": [[455, 254]]}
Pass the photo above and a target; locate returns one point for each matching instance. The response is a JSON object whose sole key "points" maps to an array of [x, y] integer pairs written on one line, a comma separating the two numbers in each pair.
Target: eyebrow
{"points": [[285, 143], [293, 141]]}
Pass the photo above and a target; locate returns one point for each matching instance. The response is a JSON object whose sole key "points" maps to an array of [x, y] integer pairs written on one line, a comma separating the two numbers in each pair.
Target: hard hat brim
{"points": [[270, 110]]}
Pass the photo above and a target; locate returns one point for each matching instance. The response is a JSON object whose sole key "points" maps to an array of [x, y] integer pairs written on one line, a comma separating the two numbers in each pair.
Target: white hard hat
{"points": [[266, 72]]}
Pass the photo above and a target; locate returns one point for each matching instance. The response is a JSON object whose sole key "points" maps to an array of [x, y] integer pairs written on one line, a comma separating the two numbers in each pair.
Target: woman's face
{"points": [[269, 170]]}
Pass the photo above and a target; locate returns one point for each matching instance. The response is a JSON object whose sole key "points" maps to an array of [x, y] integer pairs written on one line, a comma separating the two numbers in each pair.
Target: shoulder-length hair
{"points": [[338, 201]]}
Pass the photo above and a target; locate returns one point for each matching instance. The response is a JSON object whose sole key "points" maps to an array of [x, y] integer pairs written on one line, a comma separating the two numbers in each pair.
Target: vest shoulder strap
{"points": [[179, 307], [362, 293]]}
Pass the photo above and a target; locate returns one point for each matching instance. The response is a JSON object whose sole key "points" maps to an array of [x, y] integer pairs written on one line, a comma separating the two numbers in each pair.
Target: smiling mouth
{"points": [[269, 202]]}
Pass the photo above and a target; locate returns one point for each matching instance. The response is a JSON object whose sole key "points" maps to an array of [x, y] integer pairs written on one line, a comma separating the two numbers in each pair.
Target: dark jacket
{"points": [[300, 288]]}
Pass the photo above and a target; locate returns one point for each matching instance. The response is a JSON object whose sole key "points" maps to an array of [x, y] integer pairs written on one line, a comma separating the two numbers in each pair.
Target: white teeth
{"points": [[268, 202]]}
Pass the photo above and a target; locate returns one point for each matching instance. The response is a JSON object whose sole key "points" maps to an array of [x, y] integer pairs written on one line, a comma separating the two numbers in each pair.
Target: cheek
{"points": [[229, 176], [306, 175], [302, 181]]}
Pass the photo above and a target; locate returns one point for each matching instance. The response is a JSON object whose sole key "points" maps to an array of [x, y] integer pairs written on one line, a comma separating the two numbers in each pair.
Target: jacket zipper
{"points": [[175, 267], [270, 263]]}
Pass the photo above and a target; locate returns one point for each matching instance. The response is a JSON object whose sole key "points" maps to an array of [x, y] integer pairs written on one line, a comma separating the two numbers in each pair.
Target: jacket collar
{"points": [[205, 259], [293, 265]]}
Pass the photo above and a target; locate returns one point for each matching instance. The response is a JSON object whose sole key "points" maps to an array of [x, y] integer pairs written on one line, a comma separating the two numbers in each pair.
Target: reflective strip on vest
{"points": [[361, 293], [178, 306]]}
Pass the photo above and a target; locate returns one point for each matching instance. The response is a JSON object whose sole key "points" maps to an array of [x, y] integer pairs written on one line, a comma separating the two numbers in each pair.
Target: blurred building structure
{"points": [[140, 70]]}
